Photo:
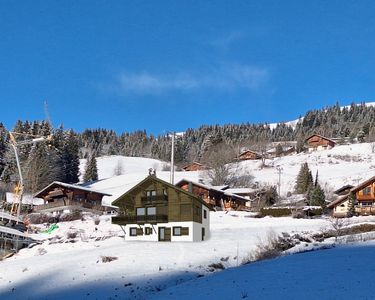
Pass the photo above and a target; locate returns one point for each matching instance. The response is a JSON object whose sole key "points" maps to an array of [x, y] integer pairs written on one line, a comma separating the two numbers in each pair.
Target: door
{"points": [[203, 233], [164, 234]]}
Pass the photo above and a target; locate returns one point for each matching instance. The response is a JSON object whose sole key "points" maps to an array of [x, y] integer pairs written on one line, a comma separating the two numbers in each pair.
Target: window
{"points": [[133, 231], [366, 190], [148, 230], [205, 214], [150, 193], [176, 231], [151, 211], [197, 210], [140, 211], [185, 209]]}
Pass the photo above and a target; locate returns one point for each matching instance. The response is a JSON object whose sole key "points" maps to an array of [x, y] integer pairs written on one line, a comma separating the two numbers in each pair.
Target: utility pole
{"points": [[20, 187], [172, 160], [279, 170]]}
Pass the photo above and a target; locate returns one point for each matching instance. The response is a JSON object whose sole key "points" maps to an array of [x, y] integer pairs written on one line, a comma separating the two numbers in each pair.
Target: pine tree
{"points": [[279, 150], [70, 158], [91, 170], [316, 196], [352, 200], [304, 179]]}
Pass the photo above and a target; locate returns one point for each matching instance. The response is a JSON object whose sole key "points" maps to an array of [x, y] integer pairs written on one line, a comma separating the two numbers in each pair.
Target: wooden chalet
{"points": [[249, 155], [364, 194], [220, 199], [60, 196], [318, 142], [194, 166], [155, 210]]}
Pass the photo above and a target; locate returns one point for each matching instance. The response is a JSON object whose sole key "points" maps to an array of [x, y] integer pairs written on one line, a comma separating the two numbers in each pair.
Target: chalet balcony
{"points": [[154, 200], [123, 220]]}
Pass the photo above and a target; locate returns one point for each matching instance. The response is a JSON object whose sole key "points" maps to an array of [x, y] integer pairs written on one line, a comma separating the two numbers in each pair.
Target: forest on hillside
{"points": [[59, 158]]}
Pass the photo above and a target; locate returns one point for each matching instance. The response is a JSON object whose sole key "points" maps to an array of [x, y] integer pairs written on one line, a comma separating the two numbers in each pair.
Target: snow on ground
{"points": [[75, 270], [128, 165], [344, 164], [339, 273]]}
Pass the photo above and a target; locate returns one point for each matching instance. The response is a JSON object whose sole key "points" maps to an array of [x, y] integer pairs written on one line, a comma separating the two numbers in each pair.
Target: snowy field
{"points": [[63, 267], [345, 164], [338, 273]]}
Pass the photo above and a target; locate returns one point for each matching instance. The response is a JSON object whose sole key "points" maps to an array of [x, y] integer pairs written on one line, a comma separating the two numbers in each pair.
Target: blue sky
{"points": [[171, 65]]}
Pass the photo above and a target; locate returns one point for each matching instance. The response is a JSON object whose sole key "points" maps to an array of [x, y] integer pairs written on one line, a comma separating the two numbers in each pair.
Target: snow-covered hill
{"points": [[109, 165], [345, 164]]}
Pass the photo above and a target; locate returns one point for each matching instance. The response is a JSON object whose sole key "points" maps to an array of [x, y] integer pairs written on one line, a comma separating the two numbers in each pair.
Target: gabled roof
{"points": [[154, 178], [355, 189], [345, 187], [212, 188], [251, 151], [70, 186], [338, 201], [193, 163], [323, 137], [363, 185]]}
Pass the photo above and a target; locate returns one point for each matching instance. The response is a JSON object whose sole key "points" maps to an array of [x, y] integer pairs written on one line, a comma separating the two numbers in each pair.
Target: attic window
{"points": [[366, 190], [150, 193]]}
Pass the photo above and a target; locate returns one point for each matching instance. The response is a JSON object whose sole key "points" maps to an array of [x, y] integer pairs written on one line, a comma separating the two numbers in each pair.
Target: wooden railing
{"points": [[157, 199], [123, 220], [67, 203]]}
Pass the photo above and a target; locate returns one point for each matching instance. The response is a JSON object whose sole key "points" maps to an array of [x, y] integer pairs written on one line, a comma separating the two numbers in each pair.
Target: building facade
{"points": [[155, 210]]}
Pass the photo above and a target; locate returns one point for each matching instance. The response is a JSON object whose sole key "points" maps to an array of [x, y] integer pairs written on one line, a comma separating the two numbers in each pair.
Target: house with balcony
{"points": [[155, 210], [364, 194], [217, 197], [65, 197]]}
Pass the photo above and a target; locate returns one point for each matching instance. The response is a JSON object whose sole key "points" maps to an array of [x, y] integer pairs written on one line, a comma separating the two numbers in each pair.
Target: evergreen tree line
{"points": [[352, 122], [43, 162], [67, 146]]}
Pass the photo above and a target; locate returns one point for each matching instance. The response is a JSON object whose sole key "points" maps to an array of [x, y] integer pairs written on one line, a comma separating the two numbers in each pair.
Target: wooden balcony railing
{"points": [[123, 220], [152, 200]]}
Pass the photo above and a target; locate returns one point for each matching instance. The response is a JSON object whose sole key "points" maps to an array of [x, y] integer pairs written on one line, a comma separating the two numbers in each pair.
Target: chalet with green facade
{"points": [[155, 210]]}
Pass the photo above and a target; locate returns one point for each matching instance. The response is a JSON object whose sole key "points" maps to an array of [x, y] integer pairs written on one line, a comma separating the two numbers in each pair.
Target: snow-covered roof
{"points": [[119, 185], [71, 186], [7, 216], [323, 137], [26, 199], [240, 190], [221, 187], [212, 188], [13, 231]]}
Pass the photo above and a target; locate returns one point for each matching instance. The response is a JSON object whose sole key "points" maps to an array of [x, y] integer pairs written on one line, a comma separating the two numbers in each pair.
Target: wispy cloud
{"points": [[226, 41], [225, 77]]}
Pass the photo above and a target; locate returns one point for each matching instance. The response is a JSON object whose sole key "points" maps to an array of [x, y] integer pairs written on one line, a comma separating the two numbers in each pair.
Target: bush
{"points": [[71, 234], [276, 211], [72, 216], [106, 259]]}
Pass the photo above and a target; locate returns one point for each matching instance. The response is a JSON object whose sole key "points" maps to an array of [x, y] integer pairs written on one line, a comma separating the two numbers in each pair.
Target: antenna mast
{"points": [[172, 160]]}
